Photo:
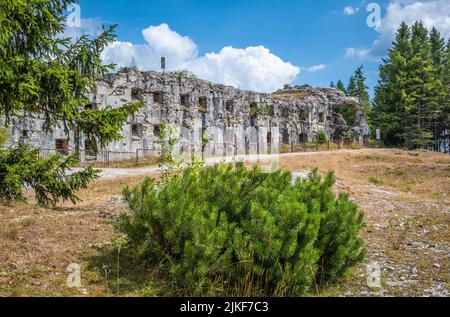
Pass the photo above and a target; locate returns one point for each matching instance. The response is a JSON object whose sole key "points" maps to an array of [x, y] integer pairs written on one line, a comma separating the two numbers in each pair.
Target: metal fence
{"points": [[107, 158]]}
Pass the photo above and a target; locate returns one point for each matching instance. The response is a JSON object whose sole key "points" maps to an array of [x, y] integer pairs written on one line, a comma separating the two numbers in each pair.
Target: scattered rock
{"points": [[114, 199]]}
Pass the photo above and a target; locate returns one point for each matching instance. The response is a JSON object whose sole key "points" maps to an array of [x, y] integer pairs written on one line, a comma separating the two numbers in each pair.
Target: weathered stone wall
{"points": [[234, 121]]}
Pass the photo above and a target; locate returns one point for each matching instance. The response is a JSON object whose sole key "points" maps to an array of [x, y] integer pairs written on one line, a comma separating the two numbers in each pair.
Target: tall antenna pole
{"points": [[163, 68]]}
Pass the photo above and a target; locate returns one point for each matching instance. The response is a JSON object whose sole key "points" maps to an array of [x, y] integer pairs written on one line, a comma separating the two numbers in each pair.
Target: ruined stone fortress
{"points": [[215, 119]]}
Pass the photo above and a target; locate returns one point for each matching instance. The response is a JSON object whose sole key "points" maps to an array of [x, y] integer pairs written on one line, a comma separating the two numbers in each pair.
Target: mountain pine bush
{"points": [[225, 230]]}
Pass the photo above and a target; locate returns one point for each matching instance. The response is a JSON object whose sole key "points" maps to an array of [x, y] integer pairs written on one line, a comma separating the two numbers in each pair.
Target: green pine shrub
{"points": [[322, 137], [3, 136], [225, 230], [21, 168]]}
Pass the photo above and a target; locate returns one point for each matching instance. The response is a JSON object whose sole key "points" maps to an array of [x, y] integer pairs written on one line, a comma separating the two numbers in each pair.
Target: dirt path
{"points": [[110, 173]]}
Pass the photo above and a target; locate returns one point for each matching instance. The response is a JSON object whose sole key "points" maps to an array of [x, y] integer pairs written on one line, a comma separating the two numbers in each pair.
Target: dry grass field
{"points": [[406, 198]]}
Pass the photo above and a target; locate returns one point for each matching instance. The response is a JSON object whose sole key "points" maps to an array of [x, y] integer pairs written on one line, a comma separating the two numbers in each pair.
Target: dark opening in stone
{"points": [[158, 97], [62, 146], [185, 100], [136, 130]]}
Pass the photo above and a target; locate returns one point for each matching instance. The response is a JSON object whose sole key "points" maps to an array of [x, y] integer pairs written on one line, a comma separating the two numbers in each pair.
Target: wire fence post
{"points": [[137, 157]]}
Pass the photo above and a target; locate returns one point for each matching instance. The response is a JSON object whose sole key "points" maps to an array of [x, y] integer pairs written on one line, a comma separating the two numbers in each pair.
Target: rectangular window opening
{"points": [[62, 146]]}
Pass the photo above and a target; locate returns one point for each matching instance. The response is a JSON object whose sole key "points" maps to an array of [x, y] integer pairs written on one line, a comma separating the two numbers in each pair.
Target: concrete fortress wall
{"points": [[221, 119]]}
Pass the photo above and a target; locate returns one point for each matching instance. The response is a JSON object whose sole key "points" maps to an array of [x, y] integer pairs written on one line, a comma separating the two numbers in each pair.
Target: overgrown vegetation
{"points": [[22, 168], [183, 74], [225, 230], [348, 112], [3, 135], [322, 137], [356, 88], [261, 110]]}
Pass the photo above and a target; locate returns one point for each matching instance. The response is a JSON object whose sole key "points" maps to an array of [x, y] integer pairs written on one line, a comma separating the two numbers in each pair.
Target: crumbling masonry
{"points": [[216, 119]]}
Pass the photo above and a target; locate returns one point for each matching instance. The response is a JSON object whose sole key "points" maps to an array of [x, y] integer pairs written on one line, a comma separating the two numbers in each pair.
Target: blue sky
{"points": [[325, 40]]}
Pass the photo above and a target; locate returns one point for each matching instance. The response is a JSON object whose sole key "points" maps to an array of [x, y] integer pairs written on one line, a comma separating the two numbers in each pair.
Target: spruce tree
{"points": [[446, 107], [357, 88], [411, 97], [48, 76], [438, 99], [421, 89], [352, 89], [340, 85], [391, 96], [332, 85], [44, 75]]}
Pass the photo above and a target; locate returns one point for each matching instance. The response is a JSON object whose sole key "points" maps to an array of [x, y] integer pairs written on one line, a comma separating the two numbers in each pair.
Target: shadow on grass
{"points": [[122, 275]]}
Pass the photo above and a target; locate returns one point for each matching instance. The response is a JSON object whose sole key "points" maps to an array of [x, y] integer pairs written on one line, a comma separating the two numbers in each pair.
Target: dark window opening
{"points": [[89, 150], [285, 113], [253, 114], [285, 136], [136, 130], [321, 117], [136, 93], [157, 131], [269, 143], [303, 138], [229, 106], [62, 146], [202, 102], [185, 100], [158, 98]]}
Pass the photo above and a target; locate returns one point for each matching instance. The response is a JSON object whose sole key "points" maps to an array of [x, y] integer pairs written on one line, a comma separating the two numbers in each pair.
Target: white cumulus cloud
{"points": [[165, 42], [431, 12], [253, 68], [160, 41]]}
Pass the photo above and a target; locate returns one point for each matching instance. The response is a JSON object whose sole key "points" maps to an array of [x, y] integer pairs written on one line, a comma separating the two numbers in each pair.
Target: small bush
{"points": [[399, 172], [224, 230], [375, 180], [3, 136], [22, 168], [322, 137]]}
